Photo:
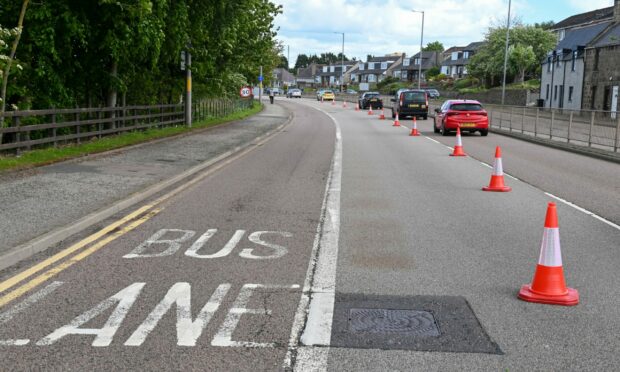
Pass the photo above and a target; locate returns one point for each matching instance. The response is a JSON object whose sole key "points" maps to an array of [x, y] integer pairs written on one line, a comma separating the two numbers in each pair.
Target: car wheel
{"points": [[425, 117], [444, 131], [435, 129], [393, 114], [484, 132]]}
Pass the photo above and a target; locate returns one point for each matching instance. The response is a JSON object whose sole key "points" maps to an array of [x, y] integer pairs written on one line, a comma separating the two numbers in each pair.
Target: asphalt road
{"points": [[403, 230]]}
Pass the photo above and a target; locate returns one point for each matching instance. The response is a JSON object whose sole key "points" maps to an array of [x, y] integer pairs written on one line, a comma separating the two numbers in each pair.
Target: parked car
{"points": [[410, 103], [469, 115], [328, 95], [370, 99], [433, 93], [293, 93], [351, 91]]}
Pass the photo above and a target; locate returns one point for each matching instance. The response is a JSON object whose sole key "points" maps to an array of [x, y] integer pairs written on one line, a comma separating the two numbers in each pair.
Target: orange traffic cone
{"points": [[321, 99], [458, 149], [548, 285], [334, 102], [382, 116], [414, 130], [344, 103], [357, 107], [396, 122], [370, 110], [497, 178]]}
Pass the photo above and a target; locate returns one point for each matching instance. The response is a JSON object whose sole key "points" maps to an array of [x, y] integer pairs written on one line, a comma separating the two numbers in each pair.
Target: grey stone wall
{"points": [[607, 75], [514, 97]]}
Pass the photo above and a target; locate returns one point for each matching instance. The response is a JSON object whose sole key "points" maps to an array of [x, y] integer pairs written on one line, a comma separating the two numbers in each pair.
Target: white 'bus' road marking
{"points": [[318, 295]]}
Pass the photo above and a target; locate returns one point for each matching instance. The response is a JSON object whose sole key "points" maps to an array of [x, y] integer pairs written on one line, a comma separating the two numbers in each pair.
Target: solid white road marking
{"points": [[224, 335], [584, 211], [430, 139], [188, 330], [124, 300], [14, 342], [320, 281]]}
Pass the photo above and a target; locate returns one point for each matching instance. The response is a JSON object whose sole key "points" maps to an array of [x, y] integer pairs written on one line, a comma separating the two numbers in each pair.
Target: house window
{"points": [[570, 94], [353, 77], [547, 94], [361, 67], [397, 74], [555, 93], [324, 68], [371, 65], [549, 64], [455, 56], [596, 57], [417, 61], [557, 61], [593, 98], [406, 62], [372, 78], [384, 65], [561, 35], [466, 55], [572, 68], [332, 69]]}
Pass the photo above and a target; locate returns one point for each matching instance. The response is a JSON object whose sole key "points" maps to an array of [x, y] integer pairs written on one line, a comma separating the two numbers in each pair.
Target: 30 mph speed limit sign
{"points": [[245, 92]]}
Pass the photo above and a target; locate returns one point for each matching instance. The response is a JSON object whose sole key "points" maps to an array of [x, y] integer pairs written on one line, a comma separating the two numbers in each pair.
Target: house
{"points": [[308, 77], [457, 59], [583, 72], [376, 69], [602, 70], [331, 74], [410, 66], [562, 76], [282, 78]]}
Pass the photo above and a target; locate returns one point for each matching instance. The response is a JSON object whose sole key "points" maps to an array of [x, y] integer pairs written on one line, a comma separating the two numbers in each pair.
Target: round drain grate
{"points": [[414, 322]]}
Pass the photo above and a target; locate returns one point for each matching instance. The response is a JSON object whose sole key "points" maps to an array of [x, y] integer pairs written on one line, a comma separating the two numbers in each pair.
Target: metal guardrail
{"points": [[25, 130], [588, 128]]}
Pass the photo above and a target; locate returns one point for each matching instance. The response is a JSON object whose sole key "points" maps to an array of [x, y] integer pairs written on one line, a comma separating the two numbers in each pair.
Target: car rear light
{"points": [[426, 100], [483, 113], [401, 100]]}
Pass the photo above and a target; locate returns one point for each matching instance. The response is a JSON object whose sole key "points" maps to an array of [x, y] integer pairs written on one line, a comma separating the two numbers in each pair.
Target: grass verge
{"points": [[51, 155]]}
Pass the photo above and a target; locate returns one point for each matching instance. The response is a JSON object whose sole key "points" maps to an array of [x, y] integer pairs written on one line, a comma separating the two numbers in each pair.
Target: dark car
{"points": [[370, 99], [410, 103], [465, 114]]}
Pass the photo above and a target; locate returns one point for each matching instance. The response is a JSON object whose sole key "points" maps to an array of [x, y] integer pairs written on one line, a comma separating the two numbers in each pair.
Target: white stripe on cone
{"points": [[498, 170], [458, 140], [550, 254]]}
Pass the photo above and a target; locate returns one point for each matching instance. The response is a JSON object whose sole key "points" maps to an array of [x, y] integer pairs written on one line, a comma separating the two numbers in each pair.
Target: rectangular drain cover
{"points": [[412, 322], [422, 323]]}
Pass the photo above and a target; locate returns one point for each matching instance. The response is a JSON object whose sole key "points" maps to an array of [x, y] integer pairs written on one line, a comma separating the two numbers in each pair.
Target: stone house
{"points": [[457, 59], [410, 66], [602, 70], [376, 69], [308, 77], [331, 74]]}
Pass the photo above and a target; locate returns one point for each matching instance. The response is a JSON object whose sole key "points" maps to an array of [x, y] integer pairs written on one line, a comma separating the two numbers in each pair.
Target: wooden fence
{"points": [[25, 130]]}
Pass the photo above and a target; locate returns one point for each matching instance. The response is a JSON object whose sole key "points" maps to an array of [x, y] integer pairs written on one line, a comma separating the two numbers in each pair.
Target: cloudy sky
{"points": [[379, 27]]}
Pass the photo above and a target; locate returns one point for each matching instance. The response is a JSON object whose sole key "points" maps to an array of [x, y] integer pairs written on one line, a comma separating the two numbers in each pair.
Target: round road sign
{"points": [[245, 92]]}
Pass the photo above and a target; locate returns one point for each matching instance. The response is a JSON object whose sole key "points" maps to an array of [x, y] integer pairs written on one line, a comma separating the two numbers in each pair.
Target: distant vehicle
{"points": [[351, 91], [467, 114], [293, 93], [276, 91], [370, 99], [328, 95], [319, 94], [410, 103], [433, 93]]}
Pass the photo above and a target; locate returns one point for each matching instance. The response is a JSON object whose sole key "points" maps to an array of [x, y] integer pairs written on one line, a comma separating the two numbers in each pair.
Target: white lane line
{"points": [[31, 300], [486, 165], [316, 306], [583, 210], [430, 139]]}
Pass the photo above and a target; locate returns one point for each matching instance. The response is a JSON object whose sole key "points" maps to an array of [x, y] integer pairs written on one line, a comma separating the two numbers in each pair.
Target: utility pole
{"points": [[260, 85], [188, 91], [341, 63], [506, 53], [421, 43], [288, 57]]}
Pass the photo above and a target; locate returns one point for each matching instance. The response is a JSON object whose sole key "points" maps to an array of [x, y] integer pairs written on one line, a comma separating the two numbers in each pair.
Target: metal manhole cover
{"points": [[412, 322]]}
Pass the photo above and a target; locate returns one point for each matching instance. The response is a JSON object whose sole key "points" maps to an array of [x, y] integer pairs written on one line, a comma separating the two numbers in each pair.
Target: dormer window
{"points": [[384, 65], [371, 65], [361, 67], [466, 55], [455, 56], [406, 62], [332, 69], [416, 61], [561, 35], [324, 68]]}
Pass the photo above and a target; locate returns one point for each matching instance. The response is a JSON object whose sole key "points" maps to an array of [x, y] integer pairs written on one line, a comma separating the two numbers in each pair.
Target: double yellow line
{"points": [[109, 233]]}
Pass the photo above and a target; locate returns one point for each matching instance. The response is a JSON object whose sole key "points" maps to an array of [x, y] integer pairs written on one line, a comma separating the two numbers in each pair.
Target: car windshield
{"points": [[371, 95], [414, 96], [466, 107], [328, 91]]}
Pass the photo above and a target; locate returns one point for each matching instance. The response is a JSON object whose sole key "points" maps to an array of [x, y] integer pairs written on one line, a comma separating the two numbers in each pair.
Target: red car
{"points": [[467, 114]]}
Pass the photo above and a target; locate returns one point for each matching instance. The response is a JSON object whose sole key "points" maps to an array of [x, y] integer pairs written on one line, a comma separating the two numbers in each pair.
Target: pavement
{"points": [[323, 247], [43, 199]]}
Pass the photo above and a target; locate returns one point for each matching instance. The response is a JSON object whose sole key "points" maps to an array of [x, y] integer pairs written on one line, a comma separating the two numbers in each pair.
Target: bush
{"points": [[441, 77], [433, 72], [468, 82]]}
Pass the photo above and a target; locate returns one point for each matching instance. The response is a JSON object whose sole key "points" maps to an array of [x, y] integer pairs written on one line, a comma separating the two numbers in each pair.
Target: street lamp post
{"points": [[421, 42], [342, 62], [506, 53]]}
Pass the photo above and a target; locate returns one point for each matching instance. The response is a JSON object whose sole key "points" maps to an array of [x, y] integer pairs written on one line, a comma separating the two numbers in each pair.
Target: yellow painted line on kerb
{"points": [[64, 253], [75, 259]]}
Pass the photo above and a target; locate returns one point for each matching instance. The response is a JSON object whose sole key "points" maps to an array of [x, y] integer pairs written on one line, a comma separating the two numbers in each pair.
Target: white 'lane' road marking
{"points": [[319, 291]]}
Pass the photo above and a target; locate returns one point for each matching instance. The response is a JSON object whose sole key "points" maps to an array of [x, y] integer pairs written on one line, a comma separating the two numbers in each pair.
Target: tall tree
{"points": [[434, 46]]}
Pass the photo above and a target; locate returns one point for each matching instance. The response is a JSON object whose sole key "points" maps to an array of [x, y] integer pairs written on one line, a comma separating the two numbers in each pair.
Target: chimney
{"points": [[616, 10]]}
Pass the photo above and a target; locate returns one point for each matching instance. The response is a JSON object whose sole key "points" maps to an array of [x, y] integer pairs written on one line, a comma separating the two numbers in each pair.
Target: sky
{"points": [[379, 27]]}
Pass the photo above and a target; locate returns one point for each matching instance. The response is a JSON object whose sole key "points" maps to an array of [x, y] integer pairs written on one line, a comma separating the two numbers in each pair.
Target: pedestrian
{"points": [[271, 95]]}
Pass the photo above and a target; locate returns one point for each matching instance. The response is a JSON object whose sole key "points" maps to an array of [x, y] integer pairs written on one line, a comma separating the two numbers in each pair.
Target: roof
{"points": [[609, 37], [474, 46], [581, 36], [454, 49], [305, 73], [586, 18], [429, 59], [384, 59], [284, 75]]}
